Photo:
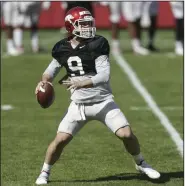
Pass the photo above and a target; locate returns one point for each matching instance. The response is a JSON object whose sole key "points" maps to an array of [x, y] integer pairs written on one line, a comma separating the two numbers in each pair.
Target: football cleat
{"points": [[140, 50], [13, 52], [179, 51], [152, 48], [179, 48], [148, 170], [43, 178]]}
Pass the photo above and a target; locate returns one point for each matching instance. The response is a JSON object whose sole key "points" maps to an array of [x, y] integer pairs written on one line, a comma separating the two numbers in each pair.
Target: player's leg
{"points": [[153, 11], [115, 16], [7, 16], [18, 20], [131, 144], [18, 38], [132, 14], [52, 155], [34, 14], [112, 116], [148, 21], [177, 9], [69, 126], [130, 141]]}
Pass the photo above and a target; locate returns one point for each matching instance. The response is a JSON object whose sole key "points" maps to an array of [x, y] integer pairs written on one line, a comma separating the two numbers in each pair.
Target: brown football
{"points": [[46, 95]]}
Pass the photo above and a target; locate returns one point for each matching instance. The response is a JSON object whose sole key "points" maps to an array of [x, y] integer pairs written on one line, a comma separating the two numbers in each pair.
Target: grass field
{"points": [[95, 156]]}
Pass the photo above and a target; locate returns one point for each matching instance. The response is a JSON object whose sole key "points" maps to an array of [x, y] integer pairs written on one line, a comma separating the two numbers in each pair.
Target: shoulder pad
{"points": [[100, 45]]}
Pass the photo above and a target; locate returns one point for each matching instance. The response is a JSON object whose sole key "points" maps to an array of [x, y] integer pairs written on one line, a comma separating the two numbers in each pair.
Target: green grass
{"points": [[95, 156]]}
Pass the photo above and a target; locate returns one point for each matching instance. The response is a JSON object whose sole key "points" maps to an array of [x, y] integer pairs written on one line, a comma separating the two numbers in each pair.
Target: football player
{"points": [[10, 13], [131, 11], [178, 12], [29, 16], [149, 20], [85, 56]]}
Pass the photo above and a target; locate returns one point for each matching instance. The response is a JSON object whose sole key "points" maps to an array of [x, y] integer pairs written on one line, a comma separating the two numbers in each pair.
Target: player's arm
{"points": [[102, 69], [51, 71], [102, 64], [49, 74]]}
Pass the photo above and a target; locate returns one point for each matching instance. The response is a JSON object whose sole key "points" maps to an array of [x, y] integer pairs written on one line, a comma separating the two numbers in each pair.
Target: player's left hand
{"points": [[78, 84], [73, 84]]}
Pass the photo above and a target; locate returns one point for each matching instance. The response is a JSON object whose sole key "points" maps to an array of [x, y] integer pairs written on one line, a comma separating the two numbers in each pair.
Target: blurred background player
{"points": [[132, 14], [178, 13], [10, 13], [149, 20], [29, 18]]}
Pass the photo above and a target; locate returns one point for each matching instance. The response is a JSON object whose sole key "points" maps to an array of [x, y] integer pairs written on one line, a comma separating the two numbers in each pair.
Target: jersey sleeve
{"points": [[103, 70], [53, 69]]}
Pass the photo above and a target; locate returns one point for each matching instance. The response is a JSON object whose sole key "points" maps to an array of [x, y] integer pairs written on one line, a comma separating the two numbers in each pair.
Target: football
{"points": [[46, 95]]}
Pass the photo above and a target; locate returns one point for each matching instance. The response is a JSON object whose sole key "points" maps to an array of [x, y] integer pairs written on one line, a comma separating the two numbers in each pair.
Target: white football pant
{"points": [[79, 114]]}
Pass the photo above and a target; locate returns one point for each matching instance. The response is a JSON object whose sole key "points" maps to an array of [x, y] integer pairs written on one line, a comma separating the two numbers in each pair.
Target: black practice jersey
{"points": [[80, 60]]}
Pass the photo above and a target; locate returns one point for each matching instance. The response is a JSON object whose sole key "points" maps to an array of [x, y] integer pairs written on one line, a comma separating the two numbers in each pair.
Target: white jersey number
{"points": [[77, 67]]}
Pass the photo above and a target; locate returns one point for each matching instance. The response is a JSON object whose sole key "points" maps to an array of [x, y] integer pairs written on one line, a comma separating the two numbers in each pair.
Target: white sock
{"points": [[135, 43], [138, 158], [46, 168], [35, 42], [17, 36], [178, 44], [115, 43], [9, 44]]}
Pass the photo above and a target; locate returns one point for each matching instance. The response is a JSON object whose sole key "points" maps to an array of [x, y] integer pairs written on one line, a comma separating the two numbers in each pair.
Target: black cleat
{"points": [[153, 48]]}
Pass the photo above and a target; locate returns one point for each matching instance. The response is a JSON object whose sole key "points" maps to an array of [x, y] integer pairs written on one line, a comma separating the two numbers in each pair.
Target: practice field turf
{"points": [[95, 156]]}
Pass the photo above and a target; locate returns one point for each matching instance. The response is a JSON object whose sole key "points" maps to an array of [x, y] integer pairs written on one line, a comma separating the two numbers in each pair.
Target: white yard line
{"points": [[175, 136], [6, 107]]}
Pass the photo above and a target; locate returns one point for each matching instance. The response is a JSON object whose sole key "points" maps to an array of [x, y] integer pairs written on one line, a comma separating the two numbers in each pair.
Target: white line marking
{"points": [[6, 107], [175, 136], [170, 108]]}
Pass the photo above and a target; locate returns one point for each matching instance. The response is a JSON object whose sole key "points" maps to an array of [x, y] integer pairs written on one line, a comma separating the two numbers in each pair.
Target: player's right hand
{"points": [[40, 84]]}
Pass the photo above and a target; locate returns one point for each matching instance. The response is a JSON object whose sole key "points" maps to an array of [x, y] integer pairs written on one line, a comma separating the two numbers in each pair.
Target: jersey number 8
{"points": [[77, 67]]}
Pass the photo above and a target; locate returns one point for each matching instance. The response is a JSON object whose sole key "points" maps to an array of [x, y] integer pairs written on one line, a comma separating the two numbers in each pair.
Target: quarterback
{"points": [[85, 57]]}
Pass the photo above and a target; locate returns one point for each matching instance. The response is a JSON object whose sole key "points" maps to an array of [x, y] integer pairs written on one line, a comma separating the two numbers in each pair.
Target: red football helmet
{"points": [[79, 22]]}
